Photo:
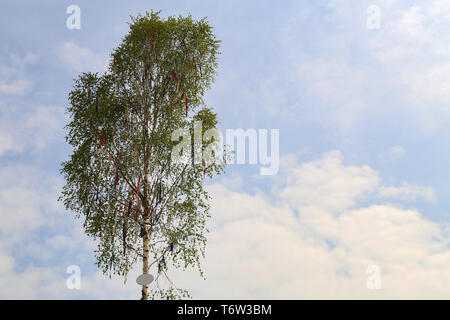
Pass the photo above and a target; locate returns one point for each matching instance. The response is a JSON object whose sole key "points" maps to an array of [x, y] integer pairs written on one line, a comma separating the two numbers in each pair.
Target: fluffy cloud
{"points": [[338, 85], [314, 238], [81, 59], [414, 46], [28, 130], [323, 223], [392, 154], [13, 71], [408, 192], [346, 72], [49, 282], [18, 87], [39, 240]]}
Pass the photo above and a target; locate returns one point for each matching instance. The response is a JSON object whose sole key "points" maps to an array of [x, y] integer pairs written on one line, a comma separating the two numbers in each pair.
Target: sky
{"points": [[363, 116]]}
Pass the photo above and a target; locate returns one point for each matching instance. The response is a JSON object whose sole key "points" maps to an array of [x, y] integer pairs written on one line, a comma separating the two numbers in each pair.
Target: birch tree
{"points": [[138, 198]]}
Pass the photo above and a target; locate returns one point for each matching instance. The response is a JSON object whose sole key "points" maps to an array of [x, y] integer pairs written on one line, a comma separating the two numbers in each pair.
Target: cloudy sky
{"points": [[364, 119]]}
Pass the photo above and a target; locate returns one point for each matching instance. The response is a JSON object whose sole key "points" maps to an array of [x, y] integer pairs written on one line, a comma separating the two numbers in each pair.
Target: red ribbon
{"points": [[102, 138], [206, 170], [151, 42], [175, 76]]}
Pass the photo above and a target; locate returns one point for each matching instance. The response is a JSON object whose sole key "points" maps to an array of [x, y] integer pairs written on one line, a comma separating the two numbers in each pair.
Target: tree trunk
{"points": [[145, 263], [146, 214]]}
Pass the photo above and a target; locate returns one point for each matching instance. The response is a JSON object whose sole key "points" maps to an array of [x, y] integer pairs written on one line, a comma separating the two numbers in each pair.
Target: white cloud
{"points": [[348, 72], [339, 86], [408, 192], [7, 143], [28, 203], [18, 87], [322, 180], [413, 46], [392, 154], [13, 64], [29, 129], [50, 283], [316, 240], [13, 72], [310, 238], [81, 59]]}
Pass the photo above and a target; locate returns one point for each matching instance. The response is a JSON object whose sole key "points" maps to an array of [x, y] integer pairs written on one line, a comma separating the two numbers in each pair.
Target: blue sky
{"points": [[363, 117]]}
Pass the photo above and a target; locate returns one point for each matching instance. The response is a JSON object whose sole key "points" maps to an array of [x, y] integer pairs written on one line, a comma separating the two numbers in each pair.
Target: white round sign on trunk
{"points": [[144, 279]]}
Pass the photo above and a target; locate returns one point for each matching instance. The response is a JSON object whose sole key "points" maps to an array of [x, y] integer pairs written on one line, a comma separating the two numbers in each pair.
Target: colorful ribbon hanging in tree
{"points": [[185, 104], [206, 170], [151, 42], [175, 76], [192, 155], [103, 140], [138, 197], [124, 237]]}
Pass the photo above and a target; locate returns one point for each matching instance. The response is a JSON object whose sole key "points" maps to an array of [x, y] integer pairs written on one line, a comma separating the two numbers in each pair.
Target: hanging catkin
{"points": [[111, 264], [124, 237], [116, 182], [170, 206], [138, 196], [192, 154]]}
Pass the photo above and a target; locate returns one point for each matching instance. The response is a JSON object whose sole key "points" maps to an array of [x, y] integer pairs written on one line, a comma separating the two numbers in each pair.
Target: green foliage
{"points": [[120, 177]]}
